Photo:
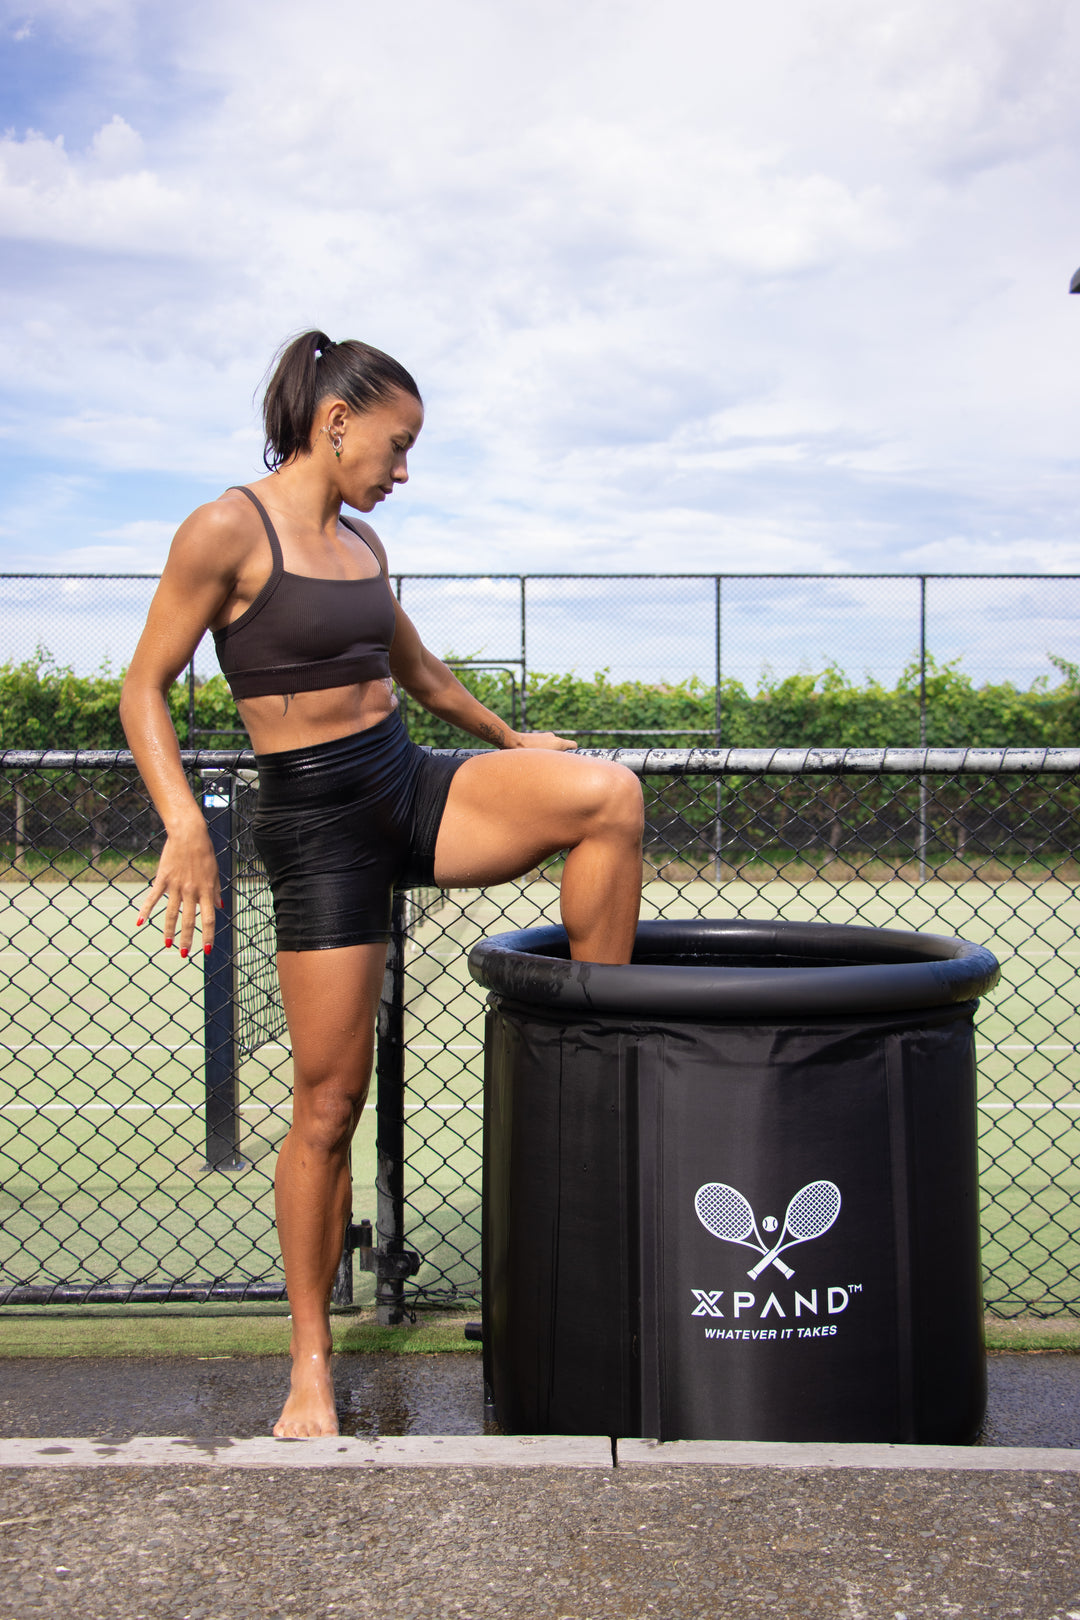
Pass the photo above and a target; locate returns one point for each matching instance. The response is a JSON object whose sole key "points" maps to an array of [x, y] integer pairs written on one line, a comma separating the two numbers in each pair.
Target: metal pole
{"points": [[341, 1291], [524, 667], [718, 829], [922, 725], [390, 1120], [20, 821], [219, 1003]]}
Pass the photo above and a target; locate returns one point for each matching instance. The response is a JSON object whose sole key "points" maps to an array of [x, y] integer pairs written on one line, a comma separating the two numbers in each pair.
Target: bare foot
{"points": [[310, 1409]]}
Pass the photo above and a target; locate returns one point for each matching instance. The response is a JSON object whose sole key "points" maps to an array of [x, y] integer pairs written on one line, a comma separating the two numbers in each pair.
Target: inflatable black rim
{"points": [[720, 968]]}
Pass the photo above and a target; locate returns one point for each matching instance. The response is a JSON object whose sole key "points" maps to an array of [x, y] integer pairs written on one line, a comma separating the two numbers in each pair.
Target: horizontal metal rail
{"points": [[658, 761], [496, 573], [844, 761], [140, 1293]]}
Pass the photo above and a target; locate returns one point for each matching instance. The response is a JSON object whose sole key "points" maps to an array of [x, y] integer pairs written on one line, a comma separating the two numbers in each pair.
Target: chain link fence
{"points": [[143, 1100], [657, 629]]}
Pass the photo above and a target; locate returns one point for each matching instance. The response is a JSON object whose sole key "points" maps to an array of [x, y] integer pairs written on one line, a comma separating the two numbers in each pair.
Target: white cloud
{"points": [[139, 547], [696, 288]]}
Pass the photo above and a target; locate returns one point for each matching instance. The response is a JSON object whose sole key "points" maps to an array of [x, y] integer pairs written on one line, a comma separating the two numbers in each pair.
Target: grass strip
{"points": [[204, 1331], [1033, 1333], [63, 1333]]}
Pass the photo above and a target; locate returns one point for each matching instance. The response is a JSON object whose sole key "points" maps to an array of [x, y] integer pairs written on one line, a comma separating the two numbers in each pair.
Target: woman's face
{"points": [[374, 447]]}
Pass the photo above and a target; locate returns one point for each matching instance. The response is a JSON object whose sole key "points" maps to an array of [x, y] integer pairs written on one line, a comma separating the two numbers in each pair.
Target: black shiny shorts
{"points": [[339, 825]]}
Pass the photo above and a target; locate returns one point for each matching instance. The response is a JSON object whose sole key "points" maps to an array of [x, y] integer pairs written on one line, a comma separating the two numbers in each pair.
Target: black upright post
{"points": [[718, 822], [219, 1011], [524, 663], [390, 1122], [923, 830]]}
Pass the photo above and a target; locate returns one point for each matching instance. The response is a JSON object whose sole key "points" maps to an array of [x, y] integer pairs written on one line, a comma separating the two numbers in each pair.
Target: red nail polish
{"points": [[183, 950], [168, 942], [207, 949], [139, 921]]}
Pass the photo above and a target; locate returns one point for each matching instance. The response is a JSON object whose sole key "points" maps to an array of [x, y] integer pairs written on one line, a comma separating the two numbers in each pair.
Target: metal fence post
{"points": [[524, 664], [341, 1291], [20, 821], [390, 1122], [922, 725], [718, 833], [219, 1002]]}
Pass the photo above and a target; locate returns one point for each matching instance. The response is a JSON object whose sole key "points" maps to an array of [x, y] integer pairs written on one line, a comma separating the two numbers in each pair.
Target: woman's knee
{"points": [[326, 1115], [617, 799]]}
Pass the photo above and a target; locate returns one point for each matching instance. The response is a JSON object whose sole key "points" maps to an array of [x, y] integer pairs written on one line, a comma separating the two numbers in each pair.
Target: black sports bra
{"points": [[302, 635]]}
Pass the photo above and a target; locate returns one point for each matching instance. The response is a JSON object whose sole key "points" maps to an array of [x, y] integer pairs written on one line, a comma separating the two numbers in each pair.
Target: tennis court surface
{"points": [[108, 1176]]}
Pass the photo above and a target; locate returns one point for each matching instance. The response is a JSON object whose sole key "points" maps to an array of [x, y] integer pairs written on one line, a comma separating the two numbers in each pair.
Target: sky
{"points": [[693, 288]]}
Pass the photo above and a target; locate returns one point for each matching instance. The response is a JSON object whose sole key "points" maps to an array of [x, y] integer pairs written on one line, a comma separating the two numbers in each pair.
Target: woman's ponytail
{"points": [[310, 368]]}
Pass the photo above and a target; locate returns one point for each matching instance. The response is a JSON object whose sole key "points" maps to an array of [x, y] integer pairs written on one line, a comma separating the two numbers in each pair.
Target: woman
{"points": [[311, 639]]}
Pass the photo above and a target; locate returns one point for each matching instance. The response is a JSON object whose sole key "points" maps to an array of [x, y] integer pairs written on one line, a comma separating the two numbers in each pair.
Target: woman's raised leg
{"points": [[331, 999], [508, 811]]}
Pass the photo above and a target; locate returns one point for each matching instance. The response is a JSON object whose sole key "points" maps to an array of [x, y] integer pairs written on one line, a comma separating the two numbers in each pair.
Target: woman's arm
{"points": [[197, 580], [428, 680]]}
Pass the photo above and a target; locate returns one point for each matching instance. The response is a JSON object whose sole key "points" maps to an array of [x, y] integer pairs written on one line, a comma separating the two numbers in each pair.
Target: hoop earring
{"points": [[336, 440]]}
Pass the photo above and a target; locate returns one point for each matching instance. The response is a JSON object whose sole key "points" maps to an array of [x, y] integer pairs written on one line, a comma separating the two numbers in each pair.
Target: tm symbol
{"points": [[854, 1288]]}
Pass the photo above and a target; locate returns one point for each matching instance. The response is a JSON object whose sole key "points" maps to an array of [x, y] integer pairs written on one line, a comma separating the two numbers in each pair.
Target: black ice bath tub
{"points": [[730, 1189]]}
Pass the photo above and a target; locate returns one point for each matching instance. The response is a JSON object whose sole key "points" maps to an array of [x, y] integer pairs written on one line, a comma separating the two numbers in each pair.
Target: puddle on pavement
{"points": [[411, 1395]]}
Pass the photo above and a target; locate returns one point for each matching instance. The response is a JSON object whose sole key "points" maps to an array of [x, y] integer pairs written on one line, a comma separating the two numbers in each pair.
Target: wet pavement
{"points": [[1034, 1398], [675, 1542], [234, 1395]]}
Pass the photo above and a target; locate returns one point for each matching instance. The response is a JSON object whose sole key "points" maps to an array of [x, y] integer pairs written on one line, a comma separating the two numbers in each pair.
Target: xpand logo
{"points": [[726, 1214]]}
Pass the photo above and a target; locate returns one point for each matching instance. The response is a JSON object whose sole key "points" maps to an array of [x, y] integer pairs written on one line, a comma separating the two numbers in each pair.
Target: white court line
{"points": [[197, 1107], [135, 1108], [32, 953], [410, 1108], [472, 1047], [1028, 1108], [985, 1046], [104, 1046], [444, 1108], [445, 1046]]}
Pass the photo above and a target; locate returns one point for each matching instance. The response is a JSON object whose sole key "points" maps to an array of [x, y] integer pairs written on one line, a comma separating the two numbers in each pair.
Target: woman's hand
{"points": [[187, 876], [540, 739]]}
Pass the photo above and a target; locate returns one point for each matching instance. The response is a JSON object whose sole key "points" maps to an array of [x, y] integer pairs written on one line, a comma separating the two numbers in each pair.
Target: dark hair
{"points": [[310, 368]]}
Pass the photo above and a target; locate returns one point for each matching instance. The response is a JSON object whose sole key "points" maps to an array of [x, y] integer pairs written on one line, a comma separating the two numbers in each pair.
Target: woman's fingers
{"points": [[172, 914], [199, 901], [150, 900], [547, 739], [208, 907], [191, 888]]}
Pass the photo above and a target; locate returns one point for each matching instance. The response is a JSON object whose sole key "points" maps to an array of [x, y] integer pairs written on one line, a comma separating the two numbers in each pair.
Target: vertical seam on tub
{"points": [[648, 1173], [900, 1174]]}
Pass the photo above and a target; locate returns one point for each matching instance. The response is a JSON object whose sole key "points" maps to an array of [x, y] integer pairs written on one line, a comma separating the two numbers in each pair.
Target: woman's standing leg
{"points": [[331, 1000]]}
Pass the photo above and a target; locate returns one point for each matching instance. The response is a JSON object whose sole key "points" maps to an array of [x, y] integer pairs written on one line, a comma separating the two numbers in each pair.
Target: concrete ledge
{"points": [[333, 1451], [785, 1454], [518, 1451]]}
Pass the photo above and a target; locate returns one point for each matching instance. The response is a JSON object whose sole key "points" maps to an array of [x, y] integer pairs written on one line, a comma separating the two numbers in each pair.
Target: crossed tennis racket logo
{"points": [[726, 1214]]}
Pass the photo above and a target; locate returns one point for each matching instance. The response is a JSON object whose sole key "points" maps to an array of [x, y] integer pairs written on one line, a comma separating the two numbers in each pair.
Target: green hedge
{"points": [[45, 706], [805, 710]]}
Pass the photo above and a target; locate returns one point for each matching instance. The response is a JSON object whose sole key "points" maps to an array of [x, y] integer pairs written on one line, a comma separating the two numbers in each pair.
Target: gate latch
{"points": [[387, 1267]]}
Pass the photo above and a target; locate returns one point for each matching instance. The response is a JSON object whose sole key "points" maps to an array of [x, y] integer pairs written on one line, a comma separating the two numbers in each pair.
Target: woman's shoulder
{"points": [[219, 535]]}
